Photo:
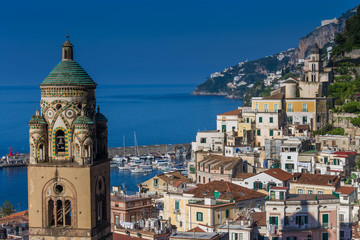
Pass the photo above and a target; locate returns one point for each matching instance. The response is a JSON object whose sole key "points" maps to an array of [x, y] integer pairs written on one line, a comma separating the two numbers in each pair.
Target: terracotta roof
{"points": [[315, 179], [19, 216], [302, 126], [279, 174], [173, 178], [178, 183], [345, 190], [245, 175], [279, 188], [196, 229], [259, 218], [310, 197], [217, 161], [227, 191], [118, 236], [344, 154], [275, 96], [234, 112]]}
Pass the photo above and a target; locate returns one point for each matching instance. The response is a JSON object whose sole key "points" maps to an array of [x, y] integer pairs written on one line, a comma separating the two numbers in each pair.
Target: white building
{"points": [[263, 180], [228, 122], [290, 151]]}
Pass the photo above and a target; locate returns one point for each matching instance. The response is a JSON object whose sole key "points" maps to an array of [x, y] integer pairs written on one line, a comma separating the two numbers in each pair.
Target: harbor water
{"points": [[159, 114]]}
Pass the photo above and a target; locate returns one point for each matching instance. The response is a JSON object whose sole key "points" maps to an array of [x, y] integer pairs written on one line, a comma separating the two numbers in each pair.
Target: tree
{"points": [[6, 209]]}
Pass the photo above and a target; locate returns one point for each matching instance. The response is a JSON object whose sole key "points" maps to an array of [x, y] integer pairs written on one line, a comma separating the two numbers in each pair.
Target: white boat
{"points": [[123, 168], [146, 166], [113, 164]]}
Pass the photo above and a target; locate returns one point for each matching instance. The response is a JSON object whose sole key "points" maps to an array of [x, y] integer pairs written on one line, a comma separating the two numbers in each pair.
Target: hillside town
{"points": [[286, 167], [261, 174]]}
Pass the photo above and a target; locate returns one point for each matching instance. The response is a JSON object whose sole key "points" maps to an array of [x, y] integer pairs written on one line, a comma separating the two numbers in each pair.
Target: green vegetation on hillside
{"points": [[252, 72], [350, 38], [329, 129]]}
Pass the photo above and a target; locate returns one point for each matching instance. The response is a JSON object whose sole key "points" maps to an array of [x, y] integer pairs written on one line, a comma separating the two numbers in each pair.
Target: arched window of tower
{"points": [[60, 142]]}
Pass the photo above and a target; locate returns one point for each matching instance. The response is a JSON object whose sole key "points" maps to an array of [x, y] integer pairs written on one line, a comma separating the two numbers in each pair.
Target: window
{"points": [[300, 191], [304, 109], [177, 205], [320, 192], [336, 161], [309, 237], [260, 119], [301, 220], [199, 216], [258, 185], [310, 191], [233, 128], [227, 213], [290, 109], [271, 133], [341, 217], [237, 236], [325, 219], [60, 142], [276, 107], [318, 119], [256, 107], [304, 120], [273, 220], [290, 238], [116, 219], [290, 120], [271, 119], [266, 107], [156, 182], [202, 140], [258, 132], [289, 157], [325, 159], [325, 236], [247, 120], [342, 235], [282, 196], [272, 195], [223, 128]]}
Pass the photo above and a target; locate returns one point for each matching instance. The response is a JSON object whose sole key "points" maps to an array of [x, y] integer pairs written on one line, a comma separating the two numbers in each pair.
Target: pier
{"points": [[147, 149]]}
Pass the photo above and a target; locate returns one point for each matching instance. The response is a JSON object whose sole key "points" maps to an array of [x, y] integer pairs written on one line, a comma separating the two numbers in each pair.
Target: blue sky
{"points": [[151, 42]]}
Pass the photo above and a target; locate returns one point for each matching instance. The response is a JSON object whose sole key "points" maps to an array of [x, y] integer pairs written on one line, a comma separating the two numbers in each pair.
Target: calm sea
{"points": [[159, 114]]}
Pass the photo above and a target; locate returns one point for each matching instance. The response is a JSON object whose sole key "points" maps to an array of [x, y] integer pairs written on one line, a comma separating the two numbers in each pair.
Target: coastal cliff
{"points": [[239, 80]]}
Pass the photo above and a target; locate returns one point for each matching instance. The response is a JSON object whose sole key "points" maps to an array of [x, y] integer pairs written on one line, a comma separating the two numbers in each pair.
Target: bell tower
{"points": [[69, 171]]}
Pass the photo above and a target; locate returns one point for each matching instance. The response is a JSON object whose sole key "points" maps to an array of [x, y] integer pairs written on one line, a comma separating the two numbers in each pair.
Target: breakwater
{"points": [[147, 149]]}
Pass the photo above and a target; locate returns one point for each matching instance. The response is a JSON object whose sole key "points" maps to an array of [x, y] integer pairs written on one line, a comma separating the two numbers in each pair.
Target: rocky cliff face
{"points": [[321, 35]]}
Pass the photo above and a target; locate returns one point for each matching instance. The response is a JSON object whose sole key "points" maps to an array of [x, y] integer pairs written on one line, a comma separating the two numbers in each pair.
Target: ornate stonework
{"points": [[68, 173]]}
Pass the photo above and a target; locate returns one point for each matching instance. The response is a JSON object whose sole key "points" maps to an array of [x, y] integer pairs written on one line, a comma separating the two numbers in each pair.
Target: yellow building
{"points": [[306, 183], [209, 205], [307, 111]]}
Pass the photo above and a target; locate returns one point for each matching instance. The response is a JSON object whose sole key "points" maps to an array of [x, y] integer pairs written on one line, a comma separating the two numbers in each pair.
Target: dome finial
{"points": [[37, 112], [67, 52], [98, 109]]}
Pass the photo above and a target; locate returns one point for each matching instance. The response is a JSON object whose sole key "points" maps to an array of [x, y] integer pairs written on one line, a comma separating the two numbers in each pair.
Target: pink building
{"points": [[302, 216]]}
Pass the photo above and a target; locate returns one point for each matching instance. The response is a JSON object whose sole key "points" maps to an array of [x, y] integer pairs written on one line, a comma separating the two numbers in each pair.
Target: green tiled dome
{"points": [[100, 117], [37, 119], [68, 73], [83, 120]]}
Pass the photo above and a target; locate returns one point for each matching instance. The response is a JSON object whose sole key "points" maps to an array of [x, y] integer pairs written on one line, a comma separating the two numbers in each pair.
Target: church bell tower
{"points": [[69, 171]]}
